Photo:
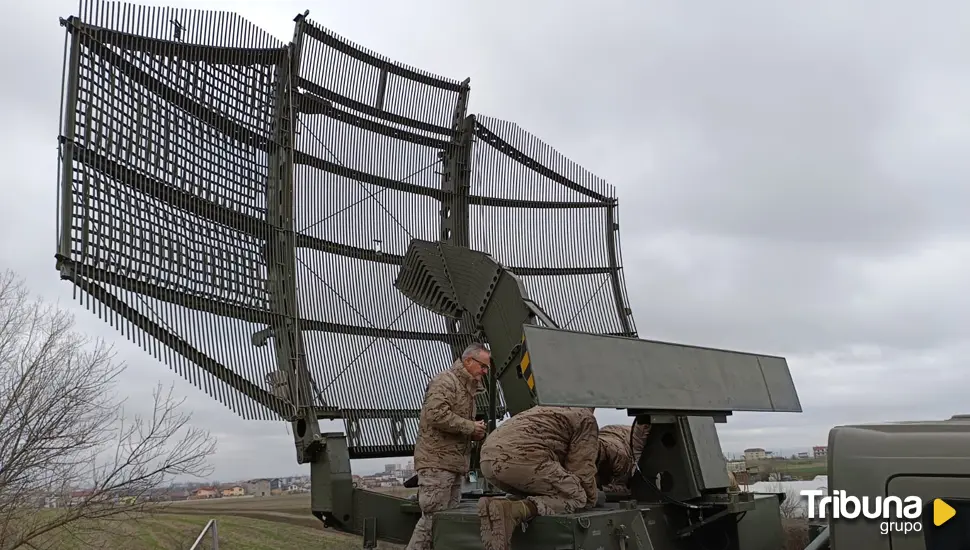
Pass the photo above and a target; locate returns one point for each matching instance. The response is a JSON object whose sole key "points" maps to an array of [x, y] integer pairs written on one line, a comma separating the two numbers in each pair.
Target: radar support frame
{"points": [[186, 146]]}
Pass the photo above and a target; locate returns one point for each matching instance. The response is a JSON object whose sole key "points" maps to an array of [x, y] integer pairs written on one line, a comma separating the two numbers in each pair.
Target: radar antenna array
{"points": [[240, 207]]}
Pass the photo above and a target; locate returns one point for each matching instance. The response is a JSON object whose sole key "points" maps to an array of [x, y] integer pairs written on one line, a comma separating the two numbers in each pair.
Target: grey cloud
{"points": [[792, 180], [746, 120], [784, 298], [850, 388]]}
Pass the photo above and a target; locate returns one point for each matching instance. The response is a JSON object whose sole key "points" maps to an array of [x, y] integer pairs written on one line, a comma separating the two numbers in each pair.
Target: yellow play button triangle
{"points": [[942, 512]]}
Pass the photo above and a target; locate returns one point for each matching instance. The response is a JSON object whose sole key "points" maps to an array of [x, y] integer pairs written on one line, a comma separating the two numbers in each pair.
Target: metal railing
{"points": [[210, 527], [821, 542]]}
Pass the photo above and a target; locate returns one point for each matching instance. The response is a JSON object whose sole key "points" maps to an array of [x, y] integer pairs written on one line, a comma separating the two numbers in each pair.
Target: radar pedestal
{"points": [[680, 491]]}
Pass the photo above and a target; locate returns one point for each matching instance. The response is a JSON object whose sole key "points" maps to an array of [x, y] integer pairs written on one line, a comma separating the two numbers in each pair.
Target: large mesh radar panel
{"points": [[240, 207]]}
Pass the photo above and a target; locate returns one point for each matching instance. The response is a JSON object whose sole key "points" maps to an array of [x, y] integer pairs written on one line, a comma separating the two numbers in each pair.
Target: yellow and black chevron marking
{"points": [[525, 367]]}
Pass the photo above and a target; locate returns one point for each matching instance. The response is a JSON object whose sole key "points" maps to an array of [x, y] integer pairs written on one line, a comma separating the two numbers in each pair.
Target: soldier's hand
{"points": [[479, 433]]}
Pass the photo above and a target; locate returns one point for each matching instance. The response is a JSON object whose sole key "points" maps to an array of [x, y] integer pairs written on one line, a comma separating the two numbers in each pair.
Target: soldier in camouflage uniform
{"points": [[546, 454], [618, 455], [445, 431], [617, 459]]}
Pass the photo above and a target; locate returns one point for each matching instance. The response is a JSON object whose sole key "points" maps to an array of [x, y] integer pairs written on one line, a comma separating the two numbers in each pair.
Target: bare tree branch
{"points": [[791, 507], [70, 459]]}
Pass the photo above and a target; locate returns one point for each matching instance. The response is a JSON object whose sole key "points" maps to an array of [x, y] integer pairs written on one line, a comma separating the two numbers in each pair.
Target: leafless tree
{"points": [[70, 460], [791, 507]]}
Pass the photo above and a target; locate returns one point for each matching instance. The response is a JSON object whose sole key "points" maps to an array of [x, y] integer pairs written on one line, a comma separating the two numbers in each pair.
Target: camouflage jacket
{"points": [[564, 434], [447, 421], [617, 458]]}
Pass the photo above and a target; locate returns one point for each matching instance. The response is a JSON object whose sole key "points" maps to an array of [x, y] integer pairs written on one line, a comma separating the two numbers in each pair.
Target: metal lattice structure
{"points": [[240, 207]]}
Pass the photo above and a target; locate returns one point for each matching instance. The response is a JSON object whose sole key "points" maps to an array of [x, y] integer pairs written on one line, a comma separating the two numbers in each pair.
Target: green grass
{"points": [[178, 532], [803, 465], [810, 471], [800, 469], [244, 523]]}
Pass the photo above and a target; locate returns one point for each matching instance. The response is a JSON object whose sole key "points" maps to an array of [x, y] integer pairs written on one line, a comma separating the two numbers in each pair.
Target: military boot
{"points": [[499, 518], [486, 523]]}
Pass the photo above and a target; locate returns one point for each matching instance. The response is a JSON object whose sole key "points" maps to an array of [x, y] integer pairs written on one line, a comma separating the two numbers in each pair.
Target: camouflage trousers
{"points": [[547, 484], [438, 490]]}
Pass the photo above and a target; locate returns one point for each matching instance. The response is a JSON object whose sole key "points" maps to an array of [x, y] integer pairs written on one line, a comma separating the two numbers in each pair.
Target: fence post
{"points": [[210, 527]]}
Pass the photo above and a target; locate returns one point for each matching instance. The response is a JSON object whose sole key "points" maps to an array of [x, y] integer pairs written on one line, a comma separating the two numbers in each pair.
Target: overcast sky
{"points": [[791, 178]]}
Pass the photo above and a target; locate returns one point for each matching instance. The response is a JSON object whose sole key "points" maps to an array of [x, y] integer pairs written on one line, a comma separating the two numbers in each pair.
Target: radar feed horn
{"points": [[454, 281]]}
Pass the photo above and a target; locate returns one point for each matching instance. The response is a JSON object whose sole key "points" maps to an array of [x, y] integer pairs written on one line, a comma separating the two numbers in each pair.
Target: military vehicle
{"points": [[309, 231], [926, 460]]}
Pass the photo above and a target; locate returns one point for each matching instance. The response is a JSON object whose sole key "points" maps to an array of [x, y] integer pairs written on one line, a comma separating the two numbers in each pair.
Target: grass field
{"points": [[804, 468], [244, 523], [178, 532], [798, 469], [287, 512]]}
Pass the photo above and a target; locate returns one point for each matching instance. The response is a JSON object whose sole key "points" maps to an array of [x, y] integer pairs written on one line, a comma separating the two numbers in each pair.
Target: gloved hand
{"points": [[600, 499]]}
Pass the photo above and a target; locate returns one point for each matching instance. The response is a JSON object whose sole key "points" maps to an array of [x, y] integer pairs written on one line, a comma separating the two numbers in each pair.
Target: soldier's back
{"points": [[616, 433], [615, 462], [615, 440], [534, 435]]}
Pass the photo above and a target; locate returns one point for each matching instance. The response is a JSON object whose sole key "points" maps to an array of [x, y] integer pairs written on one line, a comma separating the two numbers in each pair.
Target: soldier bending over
{"points": [[445, 431], [617, 458], [548, 455]]}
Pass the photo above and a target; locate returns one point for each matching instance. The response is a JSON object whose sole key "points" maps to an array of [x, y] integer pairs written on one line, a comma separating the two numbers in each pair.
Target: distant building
{"points": [[258, 487], [386, 479], [820, 451], [78, 497], [205, 492], [177, 495], [803, 455], [736, 466], [755, 454], [234, 491]]}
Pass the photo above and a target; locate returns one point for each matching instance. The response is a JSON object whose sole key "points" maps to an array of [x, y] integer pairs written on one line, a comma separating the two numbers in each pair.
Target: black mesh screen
{"points": [[169, 138]]}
